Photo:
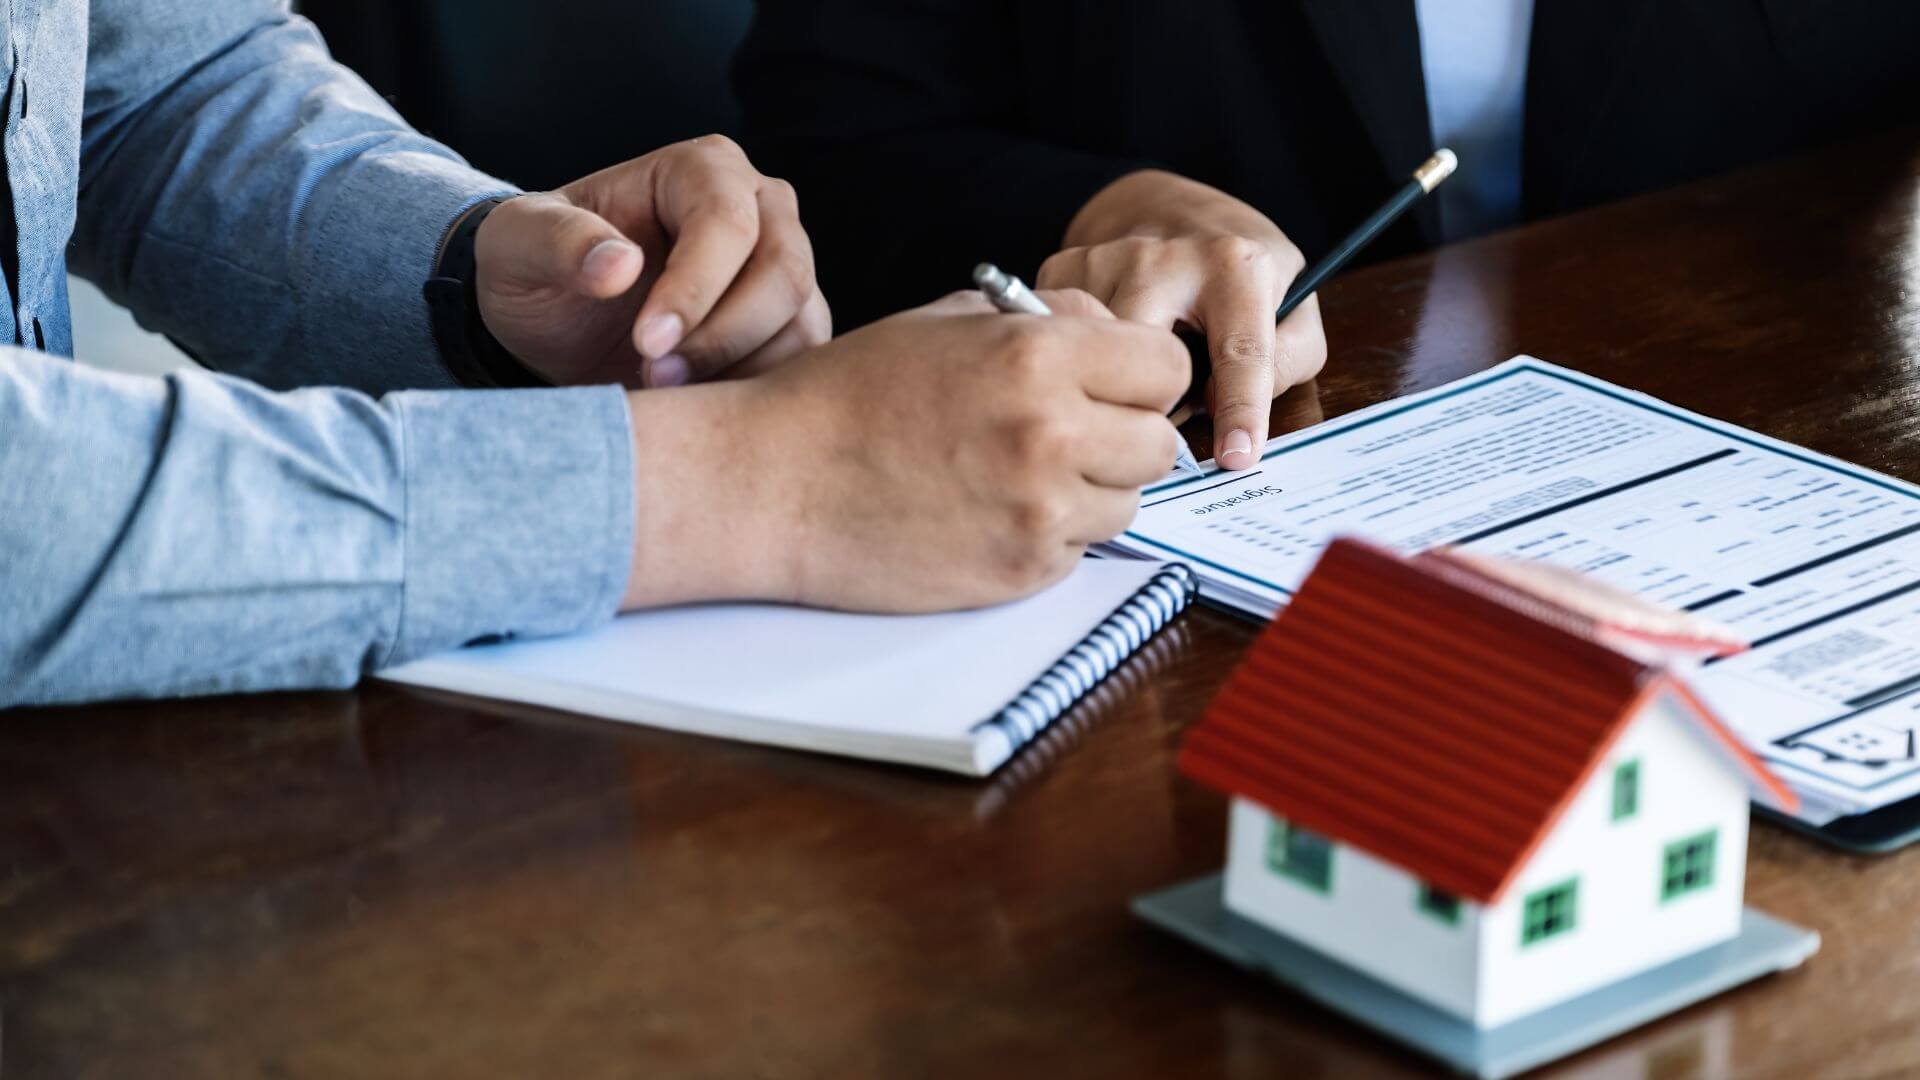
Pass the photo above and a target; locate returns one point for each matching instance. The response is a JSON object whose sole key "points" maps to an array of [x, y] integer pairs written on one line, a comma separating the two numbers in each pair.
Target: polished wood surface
{"points": [[390, 883]]}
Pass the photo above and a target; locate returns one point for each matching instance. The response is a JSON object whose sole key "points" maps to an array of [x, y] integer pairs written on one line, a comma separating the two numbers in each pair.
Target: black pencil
{"points": [[1425, 179]]}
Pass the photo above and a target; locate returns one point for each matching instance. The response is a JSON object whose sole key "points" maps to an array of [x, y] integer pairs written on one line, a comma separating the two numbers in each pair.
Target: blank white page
{"points": [[912, 676]]}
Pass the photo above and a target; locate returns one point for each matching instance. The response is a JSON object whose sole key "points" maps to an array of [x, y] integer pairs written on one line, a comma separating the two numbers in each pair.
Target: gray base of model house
{"points": [[1194, 910]]}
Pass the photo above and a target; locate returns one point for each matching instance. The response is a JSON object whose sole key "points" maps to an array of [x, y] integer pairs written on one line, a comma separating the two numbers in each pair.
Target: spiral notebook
{"points": [[961, 691]]}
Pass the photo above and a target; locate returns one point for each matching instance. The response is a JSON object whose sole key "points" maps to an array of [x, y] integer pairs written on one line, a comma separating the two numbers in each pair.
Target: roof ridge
{"points": [[1504, 602]]}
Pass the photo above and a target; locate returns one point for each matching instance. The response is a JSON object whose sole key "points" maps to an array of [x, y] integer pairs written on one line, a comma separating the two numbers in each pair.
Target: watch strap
{"points": [[471, 352]]}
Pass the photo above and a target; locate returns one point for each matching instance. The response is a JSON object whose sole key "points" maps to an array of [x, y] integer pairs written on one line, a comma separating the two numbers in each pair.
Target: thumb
{"points": [[546, 242]]}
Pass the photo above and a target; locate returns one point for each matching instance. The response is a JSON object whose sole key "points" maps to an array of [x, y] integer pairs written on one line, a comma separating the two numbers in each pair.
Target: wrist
{"points": [[710, 514], [471, 353]]}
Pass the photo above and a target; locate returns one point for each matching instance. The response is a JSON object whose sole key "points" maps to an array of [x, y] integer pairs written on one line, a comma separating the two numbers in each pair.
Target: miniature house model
{"points": [[1473, 791]]}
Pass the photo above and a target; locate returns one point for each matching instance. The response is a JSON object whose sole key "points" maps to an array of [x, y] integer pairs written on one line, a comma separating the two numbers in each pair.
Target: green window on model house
{"points": [[1549, 912], [1306, 857], [1440, 904], [1626, 790], [1688, 866]]}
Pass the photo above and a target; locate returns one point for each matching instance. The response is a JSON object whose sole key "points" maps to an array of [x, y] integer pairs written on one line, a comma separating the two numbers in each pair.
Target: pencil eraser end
{"points": [[1436, 168]]}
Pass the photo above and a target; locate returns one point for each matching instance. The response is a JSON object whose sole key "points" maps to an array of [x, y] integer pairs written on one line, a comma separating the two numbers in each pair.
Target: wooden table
{"points": [[385, 883]]}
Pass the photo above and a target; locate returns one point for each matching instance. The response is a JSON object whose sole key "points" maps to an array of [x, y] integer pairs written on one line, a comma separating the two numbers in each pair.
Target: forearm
{"points": [[196, 535], [230, 167]]}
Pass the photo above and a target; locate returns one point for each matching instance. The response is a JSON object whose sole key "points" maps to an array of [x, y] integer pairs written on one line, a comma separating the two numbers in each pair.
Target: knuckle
{"points": [[781, 190], [1061, 267], [718, 145], [1039, 519], [1077, 303], [1023, 353], [1236, 403], [1241, 348], [1291, 260], [1040, 438], [968, 302], [1236, 249], [1127, 251], [1134, 293]]}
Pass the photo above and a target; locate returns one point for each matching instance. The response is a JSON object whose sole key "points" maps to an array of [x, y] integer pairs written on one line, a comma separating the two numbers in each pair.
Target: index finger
{"points": [[711, 246], [1240, 342], [764, 297]]}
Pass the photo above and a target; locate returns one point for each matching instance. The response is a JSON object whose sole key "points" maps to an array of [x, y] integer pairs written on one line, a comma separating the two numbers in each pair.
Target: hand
{"points": [[947, 457], [676, 267], [1166, 251]]}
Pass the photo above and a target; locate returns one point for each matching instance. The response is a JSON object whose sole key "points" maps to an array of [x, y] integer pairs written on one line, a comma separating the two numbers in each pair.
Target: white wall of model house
{"points": [[1368, 917], [1477, 968], [1688, 787]]}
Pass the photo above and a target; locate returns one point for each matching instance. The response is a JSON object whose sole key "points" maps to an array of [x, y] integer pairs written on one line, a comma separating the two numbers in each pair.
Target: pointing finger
{"points": [[711, 246], [1238, 318], [770, 291]]}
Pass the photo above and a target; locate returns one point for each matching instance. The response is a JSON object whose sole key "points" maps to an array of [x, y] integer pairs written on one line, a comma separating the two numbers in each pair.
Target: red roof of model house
{"points": [[1430, 713]]}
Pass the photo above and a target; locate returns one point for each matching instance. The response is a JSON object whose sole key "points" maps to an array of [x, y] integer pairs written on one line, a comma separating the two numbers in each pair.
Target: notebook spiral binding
{"points": [[1105, 648]]}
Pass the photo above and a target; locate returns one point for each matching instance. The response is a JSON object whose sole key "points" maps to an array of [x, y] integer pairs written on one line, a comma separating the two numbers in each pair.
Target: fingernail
{"points": [[670, 370], [605, 258], [660, 334], [1237, 451]]}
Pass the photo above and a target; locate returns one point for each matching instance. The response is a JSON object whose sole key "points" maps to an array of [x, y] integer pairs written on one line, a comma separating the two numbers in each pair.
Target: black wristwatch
{"points": [[469, 349]]}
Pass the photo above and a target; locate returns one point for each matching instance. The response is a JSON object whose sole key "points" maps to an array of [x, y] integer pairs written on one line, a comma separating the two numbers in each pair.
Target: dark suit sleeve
{"points": [[902, 123]]}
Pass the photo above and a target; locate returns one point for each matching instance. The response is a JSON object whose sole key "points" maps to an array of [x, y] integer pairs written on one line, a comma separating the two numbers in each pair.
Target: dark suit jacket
{"points": [[926, 135], [541, 92]]}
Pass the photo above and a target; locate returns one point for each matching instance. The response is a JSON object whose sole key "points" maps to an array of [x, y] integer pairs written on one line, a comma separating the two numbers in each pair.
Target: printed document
{"points": [[1816, 563]]}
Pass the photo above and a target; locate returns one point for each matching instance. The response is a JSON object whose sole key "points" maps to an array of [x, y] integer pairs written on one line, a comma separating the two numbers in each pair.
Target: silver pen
{"points": [[1011, 295]]}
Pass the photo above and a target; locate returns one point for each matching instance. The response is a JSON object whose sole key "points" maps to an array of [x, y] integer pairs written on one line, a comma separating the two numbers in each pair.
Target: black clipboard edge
{"points": [[1876, 832]]}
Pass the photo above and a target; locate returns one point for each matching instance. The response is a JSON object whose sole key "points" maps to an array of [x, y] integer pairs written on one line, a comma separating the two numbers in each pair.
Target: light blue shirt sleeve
{"points": [[200, 533], [257, 202], [196, 534]]}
